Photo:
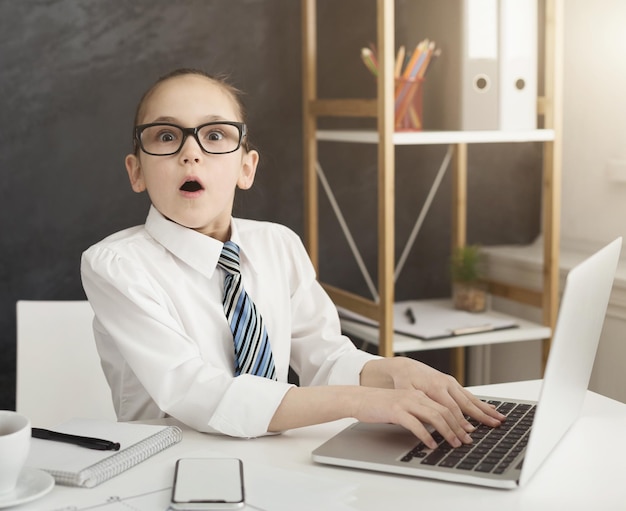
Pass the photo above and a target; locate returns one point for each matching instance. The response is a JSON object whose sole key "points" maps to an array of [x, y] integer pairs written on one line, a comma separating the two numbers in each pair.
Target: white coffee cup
{"points": [[14, 445]]}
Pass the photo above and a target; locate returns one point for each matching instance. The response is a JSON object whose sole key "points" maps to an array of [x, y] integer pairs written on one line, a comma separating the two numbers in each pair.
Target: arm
{"points": [[395, 390], [346, 382]]}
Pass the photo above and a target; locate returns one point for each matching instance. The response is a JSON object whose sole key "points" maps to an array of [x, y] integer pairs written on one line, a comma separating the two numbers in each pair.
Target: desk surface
{"points": [[284, 461]]}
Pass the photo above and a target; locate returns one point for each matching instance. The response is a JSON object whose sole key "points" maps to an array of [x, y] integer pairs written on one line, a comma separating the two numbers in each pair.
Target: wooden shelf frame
{"points": [[382, 108]]}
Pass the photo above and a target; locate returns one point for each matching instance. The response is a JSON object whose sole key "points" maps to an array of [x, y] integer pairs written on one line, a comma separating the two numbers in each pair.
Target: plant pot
{"points": [[471, 297]]}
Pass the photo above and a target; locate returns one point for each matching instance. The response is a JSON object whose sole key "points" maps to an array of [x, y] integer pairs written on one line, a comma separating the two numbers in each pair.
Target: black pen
{"points": [[410, 316], [82, 441]]}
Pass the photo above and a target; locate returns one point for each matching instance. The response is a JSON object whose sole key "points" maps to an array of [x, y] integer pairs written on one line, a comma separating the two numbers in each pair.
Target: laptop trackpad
{"points": [[368, 442]]}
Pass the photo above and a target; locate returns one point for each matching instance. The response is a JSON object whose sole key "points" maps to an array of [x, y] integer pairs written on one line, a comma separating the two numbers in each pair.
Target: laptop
{"points": [[508, 456]]}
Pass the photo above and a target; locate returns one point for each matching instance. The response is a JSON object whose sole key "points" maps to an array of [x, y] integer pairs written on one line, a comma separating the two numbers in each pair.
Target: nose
{"points": [[191, 150]]}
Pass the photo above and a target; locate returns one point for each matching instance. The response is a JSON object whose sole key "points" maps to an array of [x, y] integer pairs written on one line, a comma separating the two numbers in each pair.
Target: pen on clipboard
{"points": [[410, 315], [82, 441]]}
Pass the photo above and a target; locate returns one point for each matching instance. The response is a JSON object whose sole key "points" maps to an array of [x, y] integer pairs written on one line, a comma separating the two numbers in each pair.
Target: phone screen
{"points": [[206, 483]]}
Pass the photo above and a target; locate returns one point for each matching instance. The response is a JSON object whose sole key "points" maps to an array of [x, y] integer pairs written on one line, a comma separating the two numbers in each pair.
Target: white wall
{"points": [[594, 120], [594, 139]]}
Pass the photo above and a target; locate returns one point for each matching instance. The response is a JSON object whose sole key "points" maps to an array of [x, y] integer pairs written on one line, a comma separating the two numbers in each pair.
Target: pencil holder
{"points": [[408, 104]]}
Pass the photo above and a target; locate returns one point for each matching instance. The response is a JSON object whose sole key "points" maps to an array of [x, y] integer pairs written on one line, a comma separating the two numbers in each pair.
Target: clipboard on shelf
{"points": [[436, 319]]}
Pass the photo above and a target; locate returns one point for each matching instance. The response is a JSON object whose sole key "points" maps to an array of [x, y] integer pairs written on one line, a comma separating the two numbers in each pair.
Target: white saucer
{"points": [[32, 484]]}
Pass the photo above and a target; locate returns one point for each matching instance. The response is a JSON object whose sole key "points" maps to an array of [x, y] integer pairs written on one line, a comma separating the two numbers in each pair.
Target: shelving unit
{"points": [[382, 109]]}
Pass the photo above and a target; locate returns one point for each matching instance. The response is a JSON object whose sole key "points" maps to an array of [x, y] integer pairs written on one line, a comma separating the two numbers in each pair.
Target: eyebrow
{"points": [[174, 120]]}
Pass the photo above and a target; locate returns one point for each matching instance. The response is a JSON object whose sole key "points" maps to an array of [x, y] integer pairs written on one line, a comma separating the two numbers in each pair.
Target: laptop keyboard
{"points": [[493, 449]]}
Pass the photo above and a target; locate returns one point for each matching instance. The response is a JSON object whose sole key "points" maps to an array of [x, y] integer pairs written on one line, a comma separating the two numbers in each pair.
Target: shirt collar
{"points": [[244, 245], [199, 251]]}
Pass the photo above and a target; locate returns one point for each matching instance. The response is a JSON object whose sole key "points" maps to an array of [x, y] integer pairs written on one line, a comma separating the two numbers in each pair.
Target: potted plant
{"points": [[469, 291]]}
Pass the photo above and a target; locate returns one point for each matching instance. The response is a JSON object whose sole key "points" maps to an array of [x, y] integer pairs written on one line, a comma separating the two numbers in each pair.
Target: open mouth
{"points": [[191, 186]]}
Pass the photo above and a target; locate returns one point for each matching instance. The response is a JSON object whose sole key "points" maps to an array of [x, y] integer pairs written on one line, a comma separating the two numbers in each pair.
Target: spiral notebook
{"points": [[72, 465]]}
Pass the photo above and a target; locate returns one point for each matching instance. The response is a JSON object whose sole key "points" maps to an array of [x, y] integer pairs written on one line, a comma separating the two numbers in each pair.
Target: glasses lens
{"points": [[161, 139], [219, 138]]}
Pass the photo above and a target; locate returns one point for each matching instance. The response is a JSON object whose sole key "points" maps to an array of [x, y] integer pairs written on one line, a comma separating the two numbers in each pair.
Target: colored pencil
{"points": [[369, 59]]}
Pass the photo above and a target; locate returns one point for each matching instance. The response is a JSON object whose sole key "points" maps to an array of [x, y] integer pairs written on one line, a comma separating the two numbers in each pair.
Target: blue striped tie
{"points": [[253, 353]]}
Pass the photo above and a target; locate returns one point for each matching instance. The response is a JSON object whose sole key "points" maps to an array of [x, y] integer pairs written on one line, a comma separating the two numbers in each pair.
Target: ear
{"points": [[249, 163], [135, 175]]}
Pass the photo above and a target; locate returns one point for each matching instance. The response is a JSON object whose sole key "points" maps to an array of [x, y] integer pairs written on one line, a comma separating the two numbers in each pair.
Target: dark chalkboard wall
{"points": [[71, 73]]}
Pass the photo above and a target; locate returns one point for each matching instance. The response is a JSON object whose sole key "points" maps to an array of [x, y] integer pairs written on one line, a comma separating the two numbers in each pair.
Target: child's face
{"points": [[190, 101]]}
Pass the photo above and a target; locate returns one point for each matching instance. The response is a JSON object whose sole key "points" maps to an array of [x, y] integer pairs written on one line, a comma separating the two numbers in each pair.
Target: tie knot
{"points": [[229, 258]]}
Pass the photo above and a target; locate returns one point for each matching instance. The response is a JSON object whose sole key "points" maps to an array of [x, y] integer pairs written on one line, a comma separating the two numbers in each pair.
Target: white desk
{"points": [[563, 482]]}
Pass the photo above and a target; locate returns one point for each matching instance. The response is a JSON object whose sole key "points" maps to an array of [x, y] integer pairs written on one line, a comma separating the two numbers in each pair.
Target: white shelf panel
{"points": [[437, 137], [525, 331]]}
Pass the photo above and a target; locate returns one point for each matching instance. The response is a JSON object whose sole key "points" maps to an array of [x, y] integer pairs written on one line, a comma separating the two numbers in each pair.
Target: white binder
{"points": [[480, 77], [518, 64], [461, 91]]}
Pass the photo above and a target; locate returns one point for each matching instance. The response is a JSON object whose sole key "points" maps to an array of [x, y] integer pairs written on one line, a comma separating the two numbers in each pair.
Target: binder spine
{"points": [[480, 77], [518, 64]]}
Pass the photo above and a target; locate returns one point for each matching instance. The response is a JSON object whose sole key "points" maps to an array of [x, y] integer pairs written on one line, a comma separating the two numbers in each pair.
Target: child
{"points": [[158, 293]]}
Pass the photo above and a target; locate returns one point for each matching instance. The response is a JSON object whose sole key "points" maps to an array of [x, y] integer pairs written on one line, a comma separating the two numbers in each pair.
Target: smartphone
{"points": [[207, 484]]}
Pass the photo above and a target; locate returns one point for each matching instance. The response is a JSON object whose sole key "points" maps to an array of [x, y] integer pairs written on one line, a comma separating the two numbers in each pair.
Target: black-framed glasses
{"points": [[165, 139]]}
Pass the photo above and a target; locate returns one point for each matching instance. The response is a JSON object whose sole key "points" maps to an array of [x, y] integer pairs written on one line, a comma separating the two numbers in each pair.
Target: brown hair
{"points": [[220, 80]]}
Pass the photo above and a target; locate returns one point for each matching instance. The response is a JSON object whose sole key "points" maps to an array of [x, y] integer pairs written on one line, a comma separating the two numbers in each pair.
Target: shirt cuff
{"points": [[347, 369], [248, 406]]}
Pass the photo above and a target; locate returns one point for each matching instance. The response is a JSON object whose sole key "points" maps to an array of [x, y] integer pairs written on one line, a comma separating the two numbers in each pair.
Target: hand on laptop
{"points": [[422, 396], [396, 390]]}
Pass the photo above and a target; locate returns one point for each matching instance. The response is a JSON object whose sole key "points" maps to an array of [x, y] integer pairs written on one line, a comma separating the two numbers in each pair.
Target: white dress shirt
{"points": [[164, 341]]}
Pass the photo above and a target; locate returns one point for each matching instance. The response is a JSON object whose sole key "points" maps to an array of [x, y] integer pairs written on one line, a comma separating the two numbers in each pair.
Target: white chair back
{"points": [[58, 368]]}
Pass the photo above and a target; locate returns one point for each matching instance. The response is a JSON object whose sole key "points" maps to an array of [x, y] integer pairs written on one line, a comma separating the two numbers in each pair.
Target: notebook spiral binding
{"points": [[121, 461]]}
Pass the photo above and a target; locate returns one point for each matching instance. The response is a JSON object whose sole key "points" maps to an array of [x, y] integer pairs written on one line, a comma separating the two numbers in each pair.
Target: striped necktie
{"points": [[253, 353]]}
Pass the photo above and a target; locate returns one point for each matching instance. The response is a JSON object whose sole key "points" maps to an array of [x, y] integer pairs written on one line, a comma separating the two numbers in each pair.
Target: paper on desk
{"points": [[266, 488], [435, 320], [277, 489]]}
